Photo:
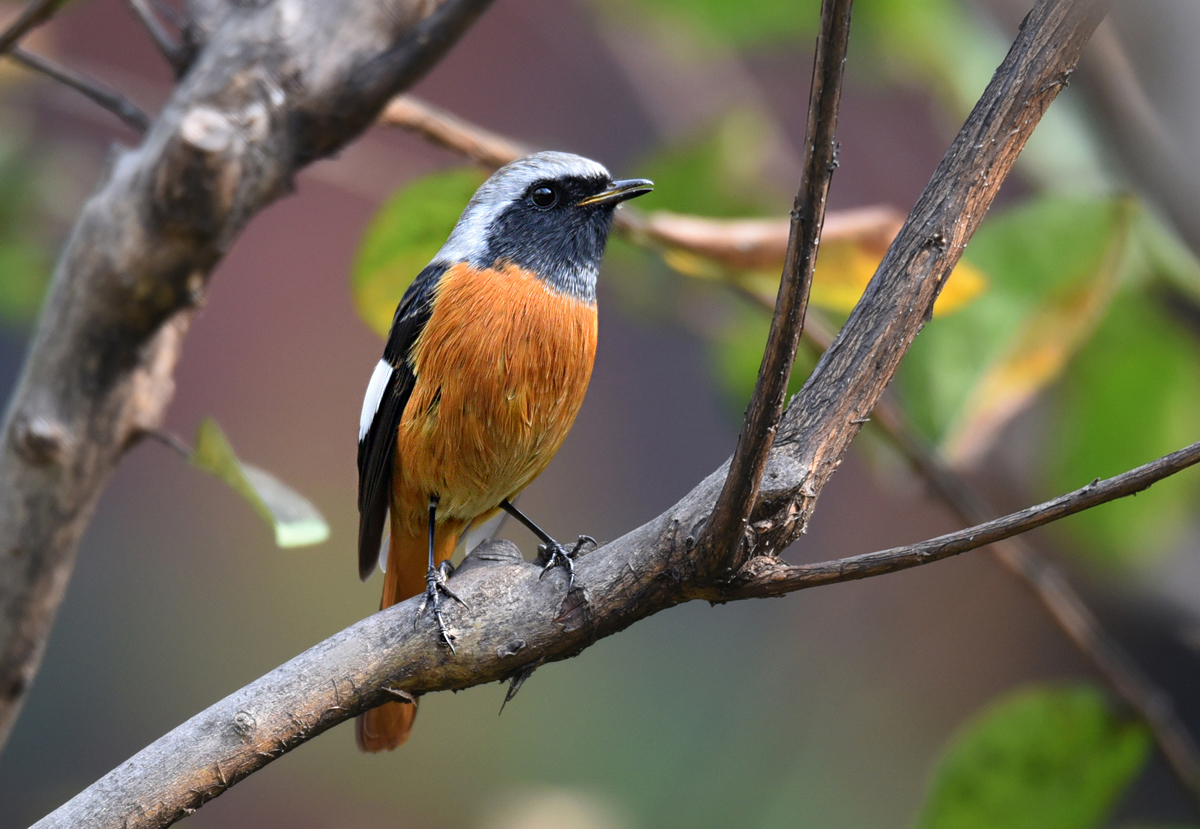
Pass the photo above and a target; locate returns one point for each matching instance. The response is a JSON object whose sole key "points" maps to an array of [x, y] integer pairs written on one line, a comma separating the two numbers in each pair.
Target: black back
{"points": [[377, 449]]}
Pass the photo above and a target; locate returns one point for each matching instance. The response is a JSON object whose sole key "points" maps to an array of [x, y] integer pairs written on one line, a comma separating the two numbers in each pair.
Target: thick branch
{"points": [[270, 92], [518, 620], [105, 96], [726, 528]]}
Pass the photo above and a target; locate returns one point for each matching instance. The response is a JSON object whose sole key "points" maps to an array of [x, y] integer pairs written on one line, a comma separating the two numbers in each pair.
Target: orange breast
{"points": [[502, 367]]}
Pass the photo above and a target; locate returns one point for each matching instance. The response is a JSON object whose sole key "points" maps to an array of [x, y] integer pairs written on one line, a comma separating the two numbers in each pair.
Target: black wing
{"points": [[377, 444]]}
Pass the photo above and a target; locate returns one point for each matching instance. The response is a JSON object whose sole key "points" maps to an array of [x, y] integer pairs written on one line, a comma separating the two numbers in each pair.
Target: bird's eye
{"points": [[544, 196]]}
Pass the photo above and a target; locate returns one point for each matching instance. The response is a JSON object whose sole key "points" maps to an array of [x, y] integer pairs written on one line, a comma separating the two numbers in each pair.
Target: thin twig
{"points": [[476, 143], [725, 531], [765, 576], [167, 45], [170, 440], [105, 96], [36, 13]]}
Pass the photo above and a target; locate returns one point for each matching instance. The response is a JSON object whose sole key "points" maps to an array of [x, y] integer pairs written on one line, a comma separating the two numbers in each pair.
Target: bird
{"points": [[485, 368]]}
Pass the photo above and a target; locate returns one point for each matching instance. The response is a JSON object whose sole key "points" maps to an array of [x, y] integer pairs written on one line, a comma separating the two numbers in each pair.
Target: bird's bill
{"points": [[619, 192]]}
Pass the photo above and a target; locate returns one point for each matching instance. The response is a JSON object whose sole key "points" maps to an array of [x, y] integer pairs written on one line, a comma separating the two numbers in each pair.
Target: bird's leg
{"points": [[435, 583], [554, 554]]}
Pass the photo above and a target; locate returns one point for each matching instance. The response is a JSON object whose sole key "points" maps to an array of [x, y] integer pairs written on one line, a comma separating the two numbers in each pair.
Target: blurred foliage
{"points": [[1132, 395], [1053, 263], [1050, 758], [717, 172], [297, 523]]}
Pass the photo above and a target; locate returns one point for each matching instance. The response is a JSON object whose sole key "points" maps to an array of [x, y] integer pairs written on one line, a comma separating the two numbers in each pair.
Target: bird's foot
{"points": [[435, 589], [554, 554]]}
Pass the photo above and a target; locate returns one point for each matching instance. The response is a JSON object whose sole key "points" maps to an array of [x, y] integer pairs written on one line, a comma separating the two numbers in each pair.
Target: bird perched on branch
{"points": [[485, 368]]}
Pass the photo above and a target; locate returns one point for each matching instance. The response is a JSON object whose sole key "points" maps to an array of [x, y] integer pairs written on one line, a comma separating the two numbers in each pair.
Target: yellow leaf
{"points": [[845, 267]]}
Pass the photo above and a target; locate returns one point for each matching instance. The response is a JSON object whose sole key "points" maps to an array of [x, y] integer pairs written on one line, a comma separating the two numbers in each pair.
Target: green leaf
{"points": [[1131, 396], [296, 521], [1040, 758], [1034, 256], [404, 235]]}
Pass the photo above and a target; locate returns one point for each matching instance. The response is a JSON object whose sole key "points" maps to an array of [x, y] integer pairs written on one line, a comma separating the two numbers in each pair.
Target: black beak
{"points": [[619, 191]]}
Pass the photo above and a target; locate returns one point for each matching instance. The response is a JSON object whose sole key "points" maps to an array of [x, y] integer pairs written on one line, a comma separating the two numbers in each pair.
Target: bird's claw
{"points": [[435, 588], [556, 555]]}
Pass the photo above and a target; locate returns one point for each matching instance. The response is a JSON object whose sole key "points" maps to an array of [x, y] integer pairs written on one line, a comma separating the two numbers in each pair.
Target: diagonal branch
{"points": [[519, 620], [35, 14], [174, 53], [727, 527], [268, 93], [766, 576], [105, 96]]}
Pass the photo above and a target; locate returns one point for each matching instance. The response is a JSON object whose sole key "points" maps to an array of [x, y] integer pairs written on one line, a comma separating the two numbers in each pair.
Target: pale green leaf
{"points": [[1040, 758], [296, 522]]}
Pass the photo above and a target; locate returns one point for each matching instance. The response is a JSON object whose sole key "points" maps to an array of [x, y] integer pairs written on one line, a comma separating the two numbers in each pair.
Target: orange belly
{"points": [[502, 367]]}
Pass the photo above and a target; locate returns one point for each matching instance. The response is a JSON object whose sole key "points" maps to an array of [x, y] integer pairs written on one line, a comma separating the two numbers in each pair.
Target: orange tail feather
{"points": [[388, 726]]}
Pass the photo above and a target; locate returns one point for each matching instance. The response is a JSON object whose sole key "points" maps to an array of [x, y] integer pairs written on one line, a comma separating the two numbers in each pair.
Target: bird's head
{"points": [[547, 213]]}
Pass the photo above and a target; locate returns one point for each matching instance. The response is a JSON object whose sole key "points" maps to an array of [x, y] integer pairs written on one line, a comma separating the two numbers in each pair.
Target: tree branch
{"points": [[171, 50], [519, 620], [35, 14], [269, 93], [766, 576], [727, 527], [738, 244], [105, 96]]}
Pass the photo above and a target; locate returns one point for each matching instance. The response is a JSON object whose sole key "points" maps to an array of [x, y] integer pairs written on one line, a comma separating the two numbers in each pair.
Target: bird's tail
{"points": [[388, 726]]}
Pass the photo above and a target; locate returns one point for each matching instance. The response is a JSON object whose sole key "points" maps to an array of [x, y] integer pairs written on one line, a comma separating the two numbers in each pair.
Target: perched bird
{"points": [[485, 368]]}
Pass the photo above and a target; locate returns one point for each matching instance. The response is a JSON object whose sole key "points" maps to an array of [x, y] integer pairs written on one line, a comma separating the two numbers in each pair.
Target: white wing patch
{"points": [[386, 545], [375, 388]]}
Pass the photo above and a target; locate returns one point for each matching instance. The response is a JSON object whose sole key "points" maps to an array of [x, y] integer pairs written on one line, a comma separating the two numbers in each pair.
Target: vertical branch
{"points": [[726, 529]]}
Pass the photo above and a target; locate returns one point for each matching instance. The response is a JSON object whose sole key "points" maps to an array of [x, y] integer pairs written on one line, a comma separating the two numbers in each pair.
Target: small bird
{"points": [[485, 368]]}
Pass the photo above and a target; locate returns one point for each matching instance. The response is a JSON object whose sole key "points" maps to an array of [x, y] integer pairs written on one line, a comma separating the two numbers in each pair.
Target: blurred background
{"points": [[828, 708]]}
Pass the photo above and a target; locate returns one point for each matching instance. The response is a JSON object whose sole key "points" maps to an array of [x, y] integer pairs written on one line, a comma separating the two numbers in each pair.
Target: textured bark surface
{"points": [[517, 620], [273, 86]]}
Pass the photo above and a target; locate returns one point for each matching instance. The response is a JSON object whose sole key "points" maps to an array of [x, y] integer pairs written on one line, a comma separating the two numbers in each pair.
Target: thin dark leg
{"points": [[555, 554], [435, 582]]}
